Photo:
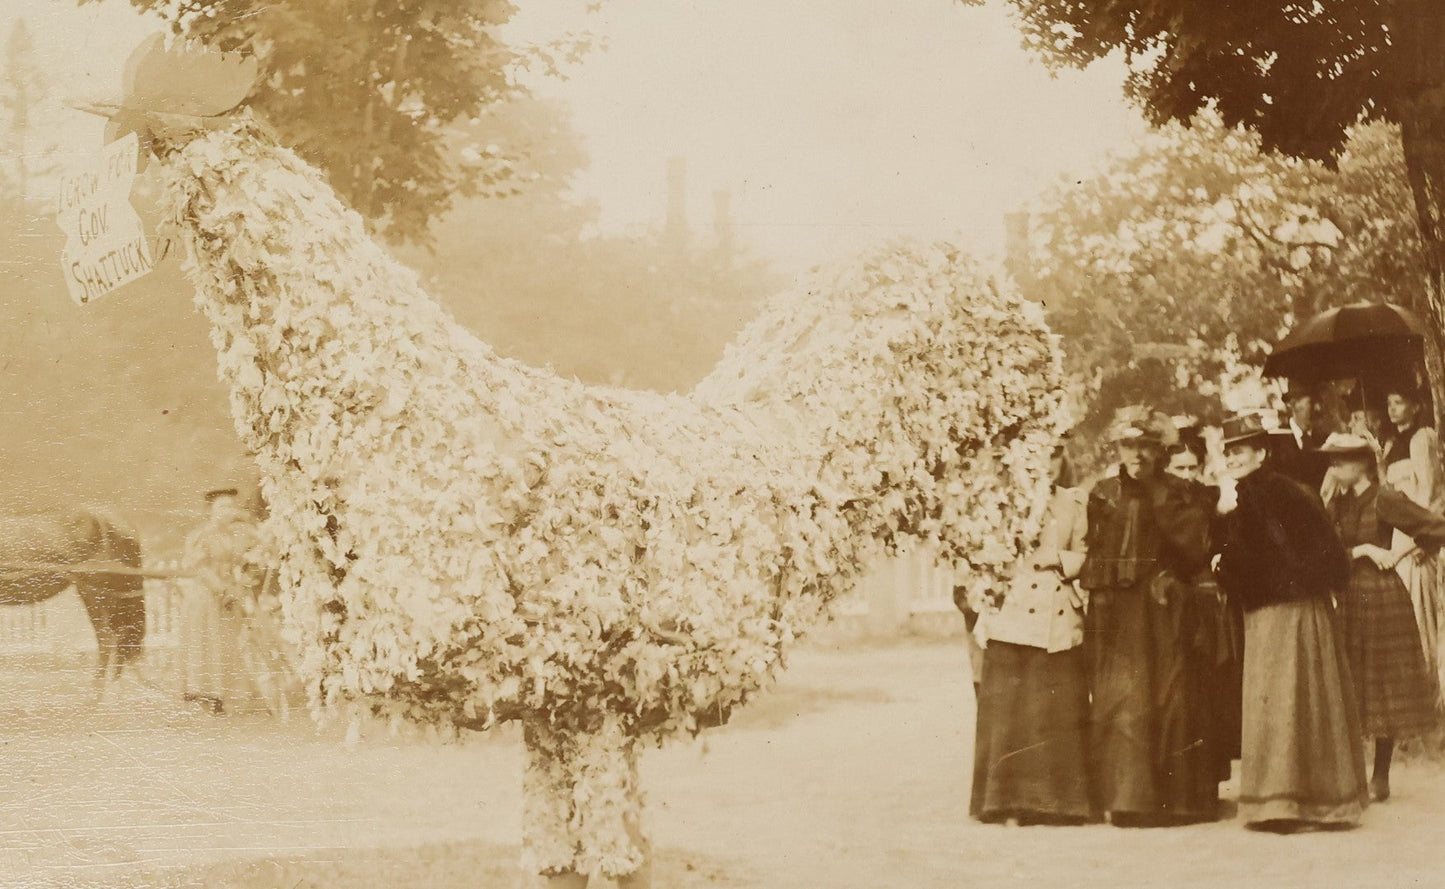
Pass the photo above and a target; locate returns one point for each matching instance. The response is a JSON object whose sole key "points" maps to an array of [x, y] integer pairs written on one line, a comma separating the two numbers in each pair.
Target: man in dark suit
{"points": [[1294, 447]]}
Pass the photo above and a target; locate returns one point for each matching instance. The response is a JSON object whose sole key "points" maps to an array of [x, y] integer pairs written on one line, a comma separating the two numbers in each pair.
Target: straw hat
{"points": [[1344, 444], [1244, 427]]}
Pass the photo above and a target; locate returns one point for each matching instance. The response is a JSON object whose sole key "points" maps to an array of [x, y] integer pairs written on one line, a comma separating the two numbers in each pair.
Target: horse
{"points": [[44, 554]]}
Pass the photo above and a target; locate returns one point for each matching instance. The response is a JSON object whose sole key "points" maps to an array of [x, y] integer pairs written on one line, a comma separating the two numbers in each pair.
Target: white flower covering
{"points": [[464, 538]]}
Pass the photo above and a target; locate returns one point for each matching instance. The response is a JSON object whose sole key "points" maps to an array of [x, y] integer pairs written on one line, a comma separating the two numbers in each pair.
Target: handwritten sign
{"points": [[105, 246]]}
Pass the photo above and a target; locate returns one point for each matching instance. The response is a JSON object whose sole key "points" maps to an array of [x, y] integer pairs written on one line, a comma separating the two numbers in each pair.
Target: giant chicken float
{"points": [[466, 540]]}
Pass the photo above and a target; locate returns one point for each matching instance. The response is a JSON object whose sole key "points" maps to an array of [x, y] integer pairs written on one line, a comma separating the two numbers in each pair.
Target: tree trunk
{"points": [[1420, 108]]}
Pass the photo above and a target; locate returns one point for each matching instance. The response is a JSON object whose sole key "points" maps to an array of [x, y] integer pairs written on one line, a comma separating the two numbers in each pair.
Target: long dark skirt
{"points": [[1377, 625], [1303, 754], [1150, 757], [1029, 755], [1213, 630]]}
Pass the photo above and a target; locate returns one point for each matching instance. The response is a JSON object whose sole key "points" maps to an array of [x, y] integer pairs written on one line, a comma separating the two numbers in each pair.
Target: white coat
{"points": [[1037, 610]]}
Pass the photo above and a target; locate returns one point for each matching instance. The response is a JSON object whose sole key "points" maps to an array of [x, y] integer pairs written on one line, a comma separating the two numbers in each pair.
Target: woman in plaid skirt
{"points": [[1377, 622], [1410, 464]]}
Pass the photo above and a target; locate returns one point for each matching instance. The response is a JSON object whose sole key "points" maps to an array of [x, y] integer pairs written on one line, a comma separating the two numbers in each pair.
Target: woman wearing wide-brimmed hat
{"points": [[1302, 760], [1377, 623], [1148, 534]]}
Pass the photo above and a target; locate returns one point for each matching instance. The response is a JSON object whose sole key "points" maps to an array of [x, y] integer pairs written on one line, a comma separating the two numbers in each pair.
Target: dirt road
{"points": [[854, 773]]}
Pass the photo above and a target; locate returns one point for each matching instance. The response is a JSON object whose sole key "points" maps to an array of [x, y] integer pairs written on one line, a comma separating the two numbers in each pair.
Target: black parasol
{"points": [[1359, 340]]}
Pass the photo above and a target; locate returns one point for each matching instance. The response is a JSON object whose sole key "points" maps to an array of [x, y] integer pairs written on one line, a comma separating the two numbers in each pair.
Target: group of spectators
{"points": [[1281, 613]]}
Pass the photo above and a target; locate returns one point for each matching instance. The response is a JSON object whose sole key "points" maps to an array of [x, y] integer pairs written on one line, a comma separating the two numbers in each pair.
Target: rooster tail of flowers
{"points": [[929, 393]]}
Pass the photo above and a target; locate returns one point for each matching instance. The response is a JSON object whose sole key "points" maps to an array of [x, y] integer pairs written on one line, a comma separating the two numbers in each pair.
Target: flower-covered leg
{"points": [[582, 804]]}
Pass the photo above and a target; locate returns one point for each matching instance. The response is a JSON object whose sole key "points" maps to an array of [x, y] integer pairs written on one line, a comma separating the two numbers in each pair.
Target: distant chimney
{"points": [[1016, 254], [722, 221], [675, 231]]}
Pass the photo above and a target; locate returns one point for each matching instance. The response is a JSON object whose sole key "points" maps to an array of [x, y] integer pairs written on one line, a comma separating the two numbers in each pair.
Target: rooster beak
{"points": [[100, 109]]}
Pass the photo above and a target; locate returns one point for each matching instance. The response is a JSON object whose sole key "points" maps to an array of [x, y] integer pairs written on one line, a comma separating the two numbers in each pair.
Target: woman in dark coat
{"points": [[1377, 622], [1303, 762], [1148, 532]]}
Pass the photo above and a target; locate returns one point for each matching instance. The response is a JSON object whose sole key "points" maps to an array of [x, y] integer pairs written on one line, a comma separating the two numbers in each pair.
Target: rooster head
{"points": [[171, 91]]}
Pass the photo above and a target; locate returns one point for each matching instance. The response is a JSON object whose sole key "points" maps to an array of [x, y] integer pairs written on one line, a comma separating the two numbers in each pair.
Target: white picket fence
{"points": [[59, 626], [891, 594]]}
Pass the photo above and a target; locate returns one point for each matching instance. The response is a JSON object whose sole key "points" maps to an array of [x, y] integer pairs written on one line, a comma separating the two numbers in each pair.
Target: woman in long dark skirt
{"points": [[1303, 763], [1211, 626], [1148, 533], [1033, 696], [1377, 621]]}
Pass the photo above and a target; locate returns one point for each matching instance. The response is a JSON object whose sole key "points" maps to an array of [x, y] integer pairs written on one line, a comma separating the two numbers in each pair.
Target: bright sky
{"points": [[834, 123], [84, 48]]}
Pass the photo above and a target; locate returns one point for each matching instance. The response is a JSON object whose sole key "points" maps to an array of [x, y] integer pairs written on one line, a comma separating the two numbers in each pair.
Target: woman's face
{"points": [[1348, 470], [1056, 467], [1138, 460], [1242, 458], [1183, 465], [1401, 409], [1359, 423], [1365, 424]]}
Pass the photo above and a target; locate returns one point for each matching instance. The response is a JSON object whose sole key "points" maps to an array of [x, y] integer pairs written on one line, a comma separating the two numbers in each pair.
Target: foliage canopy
{"points": [[368, 91], [1186, 258], [1299, 74]]}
